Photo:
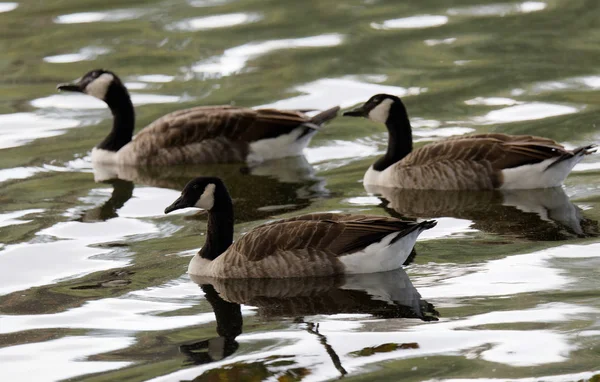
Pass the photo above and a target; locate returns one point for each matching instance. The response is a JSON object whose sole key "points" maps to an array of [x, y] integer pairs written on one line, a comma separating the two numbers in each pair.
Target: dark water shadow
{"points": [[540, 215], [258, 192], [229, 326], [383, 295], [122, 192]]}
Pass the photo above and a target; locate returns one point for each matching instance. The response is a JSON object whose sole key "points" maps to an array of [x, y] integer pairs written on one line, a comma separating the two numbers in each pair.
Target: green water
{"points": [[93, 282]]}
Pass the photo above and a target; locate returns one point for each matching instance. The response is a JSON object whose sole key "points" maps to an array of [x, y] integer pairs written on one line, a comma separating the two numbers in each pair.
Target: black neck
{"points": [[118, 100], [399, 137], [219, 234]]}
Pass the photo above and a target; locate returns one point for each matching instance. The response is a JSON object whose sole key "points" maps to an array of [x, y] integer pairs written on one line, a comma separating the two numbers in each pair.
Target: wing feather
{"points": [[193, 125], [501, 151], [336, 234]]}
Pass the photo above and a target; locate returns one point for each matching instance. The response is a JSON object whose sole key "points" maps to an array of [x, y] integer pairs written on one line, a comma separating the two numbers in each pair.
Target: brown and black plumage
{"points": [[320, 244], [473, 162], [210, 134]]}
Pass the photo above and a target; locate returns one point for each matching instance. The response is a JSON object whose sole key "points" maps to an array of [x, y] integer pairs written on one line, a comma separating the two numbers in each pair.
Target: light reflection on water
{"points": [[423, 21], [234, 59], [7, 7], [499, 9], [90, 265], [20, 128], [82, 101], [60, 358], [218, 21], [85, 54], [345, 92], [512, 275], [93, 17], [527, 112]]}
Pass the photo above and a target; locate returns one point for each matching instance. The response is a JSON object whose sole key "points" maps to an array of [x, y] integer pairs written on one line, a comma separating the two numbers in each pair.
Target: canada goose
{"points": [[482, 161], [542, 214], [210, 134], [319, 244]]}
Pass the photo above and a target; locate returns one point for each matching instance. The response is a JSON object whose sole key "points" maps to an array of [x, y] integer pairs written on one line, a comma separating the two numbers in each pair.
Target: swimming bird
{"points": [[477, 162], [209, 134], [319, 244]]}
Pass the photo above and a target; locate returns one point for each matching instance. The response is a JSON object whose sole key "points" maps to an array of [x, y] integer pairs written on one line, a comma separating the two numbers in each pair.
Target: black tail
{"points": [[325, 116], [427, 224], [422, 226], [579, 151]]}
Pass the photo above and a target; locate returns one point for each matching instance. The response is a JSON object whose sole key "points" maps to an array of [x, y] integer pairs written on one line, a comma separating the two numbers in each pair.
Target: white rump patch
{"points": [[286, 145], [99, 86], [207, 199], [538, 175], [103, 156], [381, 112], [381, 256]]}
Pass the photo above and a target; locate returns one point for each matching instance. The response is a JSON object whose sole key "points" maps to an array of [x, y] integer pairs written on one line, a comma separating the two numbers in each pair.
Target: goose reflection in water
{"points": [[122, 192], [383, 295], [540, 214], [258, 192]]}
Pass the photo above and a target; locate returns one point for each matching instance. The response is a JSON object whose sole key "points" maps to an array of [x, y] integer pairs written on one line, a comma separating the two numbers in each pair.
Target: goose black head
{"points": [[203, 192], [96, 83], [378, 108]]}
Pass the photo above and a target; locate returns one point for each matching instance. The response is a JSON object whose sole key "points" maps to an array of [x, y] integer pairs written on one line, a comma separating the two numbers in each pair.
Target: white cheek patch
{"points": [[381, 112], [99, 86], [207, 199]]}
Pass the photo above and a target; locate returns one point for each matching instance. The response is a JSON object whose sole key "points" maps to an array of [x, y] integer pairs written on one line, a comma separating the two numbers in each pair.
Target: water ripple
{"points": [[527, 112], [18, 173], [12, 218], [345, 91], [20, 128], [114, 314], [498, 9], [93, 17], [61, 358], [23, 266], [234, 59], [214, 22], [207, 3], [85, 54], [154, 78], [7, 7], [82, 101], [546, 378], [512, 275], [412, 22]]}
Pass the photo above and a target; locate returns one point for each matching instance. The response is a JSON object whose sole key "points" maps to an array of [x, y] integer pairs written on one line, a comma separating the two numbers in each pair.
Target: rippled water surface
{"points": [[92, 274]]}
